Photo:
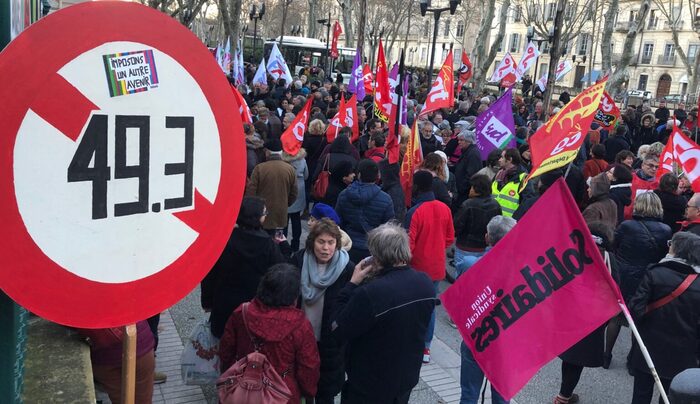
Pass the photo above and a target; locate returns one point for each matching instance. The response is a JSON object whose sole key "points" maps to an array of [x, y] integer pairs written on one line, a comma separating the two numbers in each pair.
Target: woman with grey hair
{"points": [[640, 241], [383, 315], [667, 309]]}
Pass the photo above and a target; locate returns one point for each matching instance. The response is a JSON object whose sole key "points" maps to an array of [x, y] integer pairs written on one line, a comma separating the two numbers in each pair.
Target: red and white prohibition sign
{"points": [[122, 164]]}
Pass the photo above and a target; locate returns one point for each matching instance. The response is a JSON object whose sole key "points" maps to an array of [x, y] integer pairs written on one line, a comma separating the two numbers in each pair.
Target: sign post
{"points": [[122, 165]]}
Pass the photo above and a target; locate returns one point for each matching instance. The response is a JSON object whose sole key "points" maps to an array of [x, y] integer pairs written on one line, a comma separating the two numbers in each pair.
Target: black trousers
{"points": [[644, 388]]}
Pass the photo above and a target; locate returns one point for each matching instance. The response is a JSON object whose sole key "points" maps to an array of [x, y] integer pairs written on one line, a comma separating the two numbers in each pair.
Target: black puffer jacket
{"points": [[674, 209], [639, 243], [392, 186], [471, 221], [469, 164], [671, 332], [339, 151], [331, 351], [235, 277]]}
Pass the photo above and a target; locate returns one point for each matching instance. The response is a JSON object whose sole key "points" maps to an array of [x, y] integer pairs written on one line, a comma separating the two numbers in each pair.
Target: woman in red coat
{"points": [[280, 329]]}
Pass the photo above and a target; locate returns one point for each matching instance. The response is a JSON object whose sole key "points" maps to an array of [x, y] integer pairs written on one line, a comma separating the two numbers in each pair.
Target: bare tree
{"points": [[346, 8], [635, 26], [671, 12], [481, 58], [184, 10]]}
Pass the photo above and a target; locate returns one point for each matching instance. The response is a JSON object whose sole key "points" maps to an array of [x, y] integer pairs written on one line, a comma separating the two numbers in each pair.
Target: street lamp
{"points": [[424, 7], [255, 15], [327, 23]]}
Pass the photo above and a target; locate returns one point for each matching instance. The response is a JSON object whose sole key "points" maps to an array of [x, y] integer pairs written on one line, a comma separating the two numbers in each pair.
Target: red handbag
{"points": [[321, 184], [252, 379]]}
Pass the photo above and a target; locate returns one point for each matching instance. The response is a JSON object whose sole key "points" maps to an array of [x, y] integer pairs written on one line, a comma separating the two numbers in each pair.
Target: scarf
{"points": [[314, 284], [505, 173]]}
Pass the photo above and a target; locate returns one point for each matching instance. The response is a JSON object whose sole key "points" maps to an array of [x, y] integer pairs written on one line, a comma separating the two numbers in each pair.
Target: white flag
{"points": [[226, 58], [506, 66], [239, 73], [542, 82], [260, 75], [277, 67], [528, 60], [562, 68]]}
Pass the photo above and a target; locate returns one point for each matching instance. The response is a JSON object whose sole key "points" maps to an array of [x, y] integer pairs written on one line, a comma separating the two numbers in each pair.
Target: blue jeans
{"points": [[465, 259], [471, 378], [431, 324]]}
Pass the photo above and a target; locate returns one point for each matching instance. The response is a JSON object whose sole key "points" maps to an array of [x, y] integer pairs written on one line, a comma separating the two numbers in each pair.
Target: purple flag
{"points": [[357, 84], [495, 127]]}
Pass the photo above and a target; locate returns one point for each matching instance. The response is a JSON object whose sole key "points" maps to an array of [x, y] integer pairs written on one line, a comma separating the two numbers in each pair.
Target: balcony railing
{"points": [[678, 25], [622, 26], [645, 60], [666, 60]]}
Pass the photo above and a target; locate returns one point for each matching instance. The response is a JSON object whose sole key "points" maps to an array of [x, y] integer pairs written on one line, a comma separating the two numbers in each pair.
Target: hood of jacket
{"points": [[289, 158], [600, 186], [361, 193], [254, 143], [272, 323], [389, 173]]}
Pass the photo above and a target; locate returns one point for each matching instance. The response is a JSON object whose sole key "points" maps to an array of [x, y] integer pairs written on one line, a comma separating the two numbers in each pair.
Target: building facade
{"points": [[655, 66]]}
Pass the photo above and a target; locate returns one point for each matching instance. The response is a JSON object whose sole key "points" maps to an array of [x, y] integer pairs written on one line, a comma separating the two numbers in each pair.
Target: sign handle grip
{"points": [[129, 365]]}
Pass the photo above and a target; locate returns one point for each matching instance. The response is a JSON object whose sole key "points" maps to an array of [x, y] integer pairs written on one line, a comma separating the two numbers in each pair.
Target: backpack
{"points": [[253, 379]]}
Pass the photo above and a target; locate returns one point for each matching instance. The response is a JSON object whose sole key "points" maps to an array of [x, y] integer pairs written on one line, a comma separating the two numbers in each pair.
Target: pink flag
{"points": [[531, 298]]}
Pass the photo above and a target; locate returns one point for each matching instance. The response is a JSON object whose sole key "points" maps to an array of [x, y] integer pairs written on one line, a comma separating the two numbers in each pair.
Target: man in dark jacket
{"points": [[616, 143], [383, 314], [662, 113], [428, 142], [392, 186], [363, 206], [273, 123], [469, 164], [692, 214]]}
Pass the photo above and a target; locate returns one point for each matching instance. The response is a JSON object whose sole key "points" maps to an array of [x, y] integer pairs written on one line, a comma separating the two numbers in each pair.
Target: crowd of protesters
{"points": [[366, 278]]}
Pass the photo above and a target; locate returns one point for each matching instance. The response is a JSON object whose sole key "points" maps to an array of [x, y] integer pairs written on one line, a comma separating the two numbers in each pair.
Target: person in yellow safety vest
{"points": [[506, 185]]}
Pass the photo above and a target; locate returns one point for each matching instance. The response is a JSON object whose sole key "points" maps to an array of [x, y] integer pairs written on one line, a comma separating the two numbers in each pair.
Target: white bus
{"points": [[299, 52]]}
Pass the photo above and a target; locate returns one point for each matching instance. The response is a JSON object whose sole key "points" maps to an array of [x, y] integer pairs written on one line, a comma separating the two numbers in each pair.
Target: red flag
{"points": [[531, 298], [382, 94], [368, 80], [465, 71], [242, 106], [337, 123], [293, 137], [667, 158], [556, 143], [686, 154], [334, 43], [608, 113], [411, 161], [442, 94]]}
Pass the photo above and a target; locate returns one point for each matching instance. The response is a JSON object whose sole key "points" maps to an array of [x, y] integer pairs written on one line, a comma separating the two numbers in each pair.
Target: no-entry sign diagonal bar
{"points": [[63, 106], [196, 219]]}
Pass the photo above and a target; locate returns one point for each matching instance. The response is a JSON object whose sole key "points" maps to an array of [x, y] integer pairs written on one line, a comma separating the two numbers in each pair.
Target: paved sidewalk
{"points": [[442, 373], [173, 391]]}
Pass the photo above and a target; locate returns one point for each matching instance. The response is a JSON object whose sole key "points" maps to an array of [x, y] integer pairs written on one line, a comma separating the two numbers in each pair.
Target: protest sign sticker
{"points": [[130, 72], [114, 207]]}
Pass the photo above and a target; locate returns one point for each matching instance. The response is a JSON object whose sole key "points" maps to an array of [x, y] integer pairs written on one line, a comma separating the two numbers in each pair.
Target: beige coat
{"points": [[274, 181]]}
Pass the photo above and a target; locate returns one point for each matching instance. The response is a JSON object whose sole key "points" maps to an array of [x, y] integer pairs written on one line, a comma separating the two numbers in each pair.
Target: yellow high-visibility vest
{"points": [[508, 196]]}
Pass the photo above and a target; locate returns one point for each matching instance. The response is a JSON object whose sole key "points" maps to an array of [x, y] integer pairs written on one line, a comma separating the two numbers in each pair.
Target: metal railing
{"points": [[666, 60]]}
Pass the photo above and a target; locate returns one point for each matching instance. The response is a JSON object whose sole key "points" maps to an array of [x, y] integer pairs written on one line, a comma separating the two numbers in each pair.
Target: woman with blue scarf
{"points": [[325, 269]]}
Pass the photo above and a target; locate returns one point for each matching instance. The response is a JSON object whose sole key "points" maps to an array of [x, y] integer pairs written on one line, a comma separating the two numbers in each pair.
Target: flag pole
{"points": [[399, 92], [645, 353]]}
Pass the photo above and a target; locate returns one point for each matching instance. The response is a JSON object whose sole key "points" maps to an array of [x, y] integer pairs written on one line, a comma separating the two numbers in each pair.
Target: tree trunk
{"points": [[613, 86], [693, 86], [311, 22], [347, 24], [285, 5], [361, 26], [478, 54], [235, 23], [679, 51], [225, 18], [608, 28], [554, 53]]}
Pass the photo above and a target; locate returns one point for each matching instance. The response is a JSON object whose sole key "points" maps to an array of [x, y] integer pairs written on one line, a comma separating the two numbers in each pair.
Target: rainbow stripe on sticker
{"points": [[130, 72]]}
